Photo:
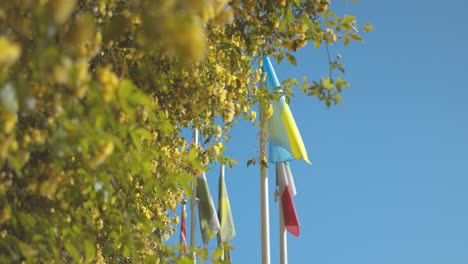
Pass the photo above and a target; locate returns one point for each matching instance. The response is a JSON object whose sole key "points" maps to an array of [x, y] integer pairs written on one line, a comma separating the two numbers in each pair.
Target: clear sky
{"points": [[389, 180]]}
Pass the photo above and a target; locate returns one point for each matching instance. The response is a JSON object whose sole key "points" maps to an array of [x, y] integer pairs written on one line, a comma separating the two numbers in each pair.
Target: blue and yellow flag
{"points": [[285, 141]]}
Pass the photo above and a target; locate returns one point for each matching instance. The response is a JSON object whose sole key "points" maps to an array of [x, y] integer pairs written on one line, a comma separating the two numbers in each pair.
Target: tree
{"points": [[93, 97]]}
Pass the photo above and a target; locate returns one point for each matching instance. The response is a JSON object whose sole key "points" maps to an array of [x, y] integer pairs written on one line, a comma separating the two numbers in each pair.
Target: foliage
{"points": [[93, 98]]}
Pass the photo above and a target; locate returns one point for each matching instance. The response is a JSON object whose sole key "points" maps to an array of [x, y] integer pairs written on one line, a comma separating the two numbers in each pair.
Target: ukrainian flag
{"points": [[285, 142]]}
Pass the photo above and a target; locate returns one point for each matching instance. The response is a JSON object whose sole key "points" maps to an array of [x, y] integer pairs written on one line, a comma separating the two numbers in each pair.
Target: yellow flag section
{"points": [[285, 141]]}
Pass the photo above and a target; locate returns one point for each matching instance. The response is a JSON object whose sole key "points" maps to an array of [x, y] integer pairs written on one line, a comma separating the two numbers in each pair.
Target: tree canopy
{"points": [[93, 98]]}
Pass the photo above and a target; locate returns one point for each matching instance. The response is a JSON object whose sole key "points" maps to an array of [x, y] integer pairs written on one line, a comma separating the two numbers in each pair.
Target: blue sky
{"points": [[389, 178]]}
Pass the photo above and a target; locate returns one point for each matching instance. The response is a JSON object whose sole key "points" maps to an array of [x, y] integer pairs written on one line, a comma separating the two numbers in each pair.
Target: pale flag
{"points": [[209, 222], [287, 190]]}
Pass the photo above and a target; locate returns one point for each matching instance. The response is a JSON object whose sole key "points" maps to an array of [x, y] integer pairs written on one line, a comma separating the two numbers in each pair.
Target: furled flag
{"points": [[227, 231], [183, 231], [209, 222], [287, 190], [285, 140]]}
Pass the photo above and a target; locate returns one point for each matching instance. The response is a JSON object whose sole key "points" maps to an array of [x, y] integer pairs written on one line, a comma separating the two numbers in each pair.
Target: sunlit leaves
{"points": [[327, 83], [94, 96], [10, 52], [348, 23], [130, 98]]}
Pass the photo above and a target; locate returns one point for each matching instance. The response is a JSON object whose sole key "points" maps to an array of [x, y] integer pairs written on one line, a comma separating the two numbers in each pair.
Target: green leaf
{"points": [[356, 37], [307, 20], [346, 27], [27, 251], [129, 96], [152, 259], [348, 19], [291, 59], [317, 42], [89, 249], [138, 135], [330, 23], [280, 57], [71, 249], [99, 120], [338, 99], [346, 41], [139, 98], [341, 69], [194, 160], [282, 25], [290, 16], [124, 90], [126, 251]]}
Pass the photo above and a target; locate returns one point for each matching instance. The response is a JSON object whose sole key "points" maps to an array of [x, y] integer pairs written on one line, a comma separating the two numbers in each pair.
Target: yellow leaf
{"points": [[368, 28], [346, 41]]}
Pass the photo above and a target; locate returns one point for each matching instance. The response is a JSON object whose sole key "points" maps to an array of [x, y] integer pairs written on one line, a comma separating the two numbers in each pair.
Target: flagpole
{"points": [[283, 236], [264, 207], [219, 240], [193, 206], [183, 231]]}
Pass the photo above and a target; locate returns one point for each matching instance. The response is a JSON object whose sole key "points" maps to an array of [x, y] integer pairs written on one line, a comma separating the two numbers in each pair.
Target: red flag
{"points": [[291, 222], [287, 190]]}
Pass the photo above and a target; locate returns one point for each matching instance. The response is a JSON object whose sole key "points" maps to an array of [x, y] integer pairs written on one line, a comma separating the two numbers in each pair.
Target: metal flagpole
{"points": [[221, 243], [183, 231], [193, 206], [283, 236], [264, 207]]}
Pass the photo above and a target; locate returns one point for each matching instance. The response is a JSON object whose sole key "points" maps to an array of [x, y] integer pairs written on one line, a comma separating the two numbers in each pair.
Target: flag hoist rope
{"points": [[264, 207], [193, 206]]}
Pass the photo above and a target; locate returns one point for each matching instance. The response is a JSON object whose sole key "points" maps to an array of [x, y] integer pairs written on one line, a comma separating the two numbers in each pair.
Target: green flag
{"points": [[227, 231], [209, 222]]}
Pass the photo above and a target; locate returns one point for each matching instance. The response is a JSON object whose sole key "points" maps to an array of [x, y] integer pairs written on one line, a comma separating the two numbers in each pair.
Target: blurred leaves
{"points": [[94, 96]]}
